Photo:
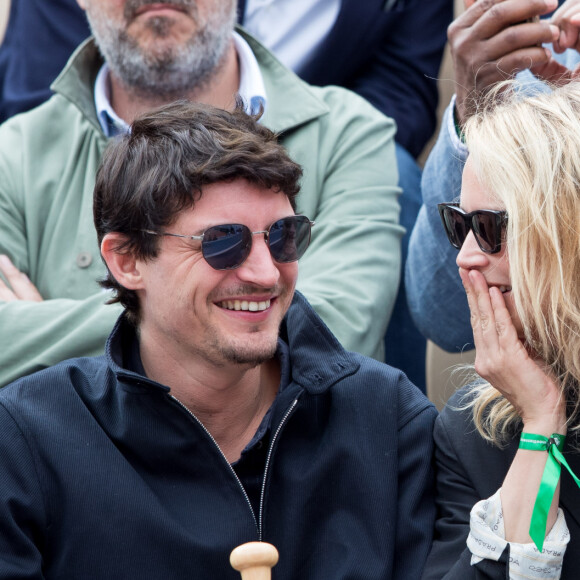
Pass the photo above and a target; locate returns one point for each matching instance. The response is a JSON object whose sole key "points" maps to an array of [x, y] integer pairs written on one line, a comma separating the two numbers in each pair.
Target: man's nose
{"points": [[259, 267]]}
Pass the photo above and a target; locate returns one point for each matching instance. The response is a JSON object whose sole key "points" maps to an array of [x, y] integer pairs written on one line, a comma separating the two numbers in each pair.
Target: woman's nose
{"points": [[471, 255]]}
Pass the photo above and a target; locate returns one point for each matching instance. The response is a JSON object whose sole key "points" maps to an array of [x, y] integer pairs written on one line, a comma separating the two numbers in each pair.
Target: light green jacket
{"points": [[48, 161]]}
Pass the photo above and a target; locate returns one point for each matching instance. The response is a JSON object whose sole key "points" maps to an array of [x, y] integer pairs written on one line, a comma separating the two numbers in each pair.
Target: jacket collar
{"points": [[317, 360], [77, 80]]}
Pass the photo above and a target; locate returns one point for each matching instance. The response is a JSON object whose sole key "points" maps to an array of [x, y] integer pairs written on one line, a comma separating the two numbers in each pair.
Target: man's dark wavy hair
{"points": [[158, 169]]}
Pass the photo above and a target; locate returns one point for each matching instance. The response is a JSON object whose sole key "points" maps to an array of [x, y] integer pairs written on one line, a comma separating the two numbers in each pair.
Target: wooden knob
{"points": [[254, 560]]}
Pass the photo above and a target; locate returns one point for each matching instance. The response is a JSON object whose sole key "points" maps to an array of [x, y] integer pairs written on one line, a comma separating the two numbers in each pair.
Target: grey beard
{"points": [[169, 72]]}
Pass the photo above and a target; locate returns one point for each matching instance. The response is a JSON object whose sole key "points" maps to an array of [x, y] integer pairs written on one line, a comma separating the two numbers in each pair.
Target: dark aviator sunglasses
{"points": [[227, 246], [487, 225]]}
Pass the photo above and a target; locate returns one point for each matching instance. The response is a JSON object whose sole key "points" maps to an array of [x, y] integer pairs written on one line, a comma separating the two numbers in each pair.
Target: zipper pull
{"points": [[254, 560]]}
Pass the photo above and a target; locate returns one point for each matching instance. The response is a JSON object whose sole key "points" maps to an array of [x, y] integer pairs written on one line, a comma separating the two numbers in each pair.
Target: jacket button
{"points": [[84, 260]]}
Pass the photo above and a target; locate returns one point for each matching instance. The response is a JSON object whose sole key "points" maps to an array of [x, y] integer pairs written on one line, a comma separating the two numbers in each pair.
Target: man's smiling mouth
{"points": [[249, 305]]}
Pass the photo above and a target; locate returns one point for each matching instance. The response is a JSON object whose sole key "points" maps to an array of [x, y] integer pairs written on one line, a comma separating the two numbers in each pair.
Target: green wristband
{"points": [[554, 446], [458, 129]]}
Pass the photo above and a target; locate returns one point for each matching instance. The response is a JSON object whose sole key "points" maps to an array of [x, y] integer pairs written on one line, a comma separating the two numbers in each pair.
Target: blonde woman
{"points": [[508, 506]]}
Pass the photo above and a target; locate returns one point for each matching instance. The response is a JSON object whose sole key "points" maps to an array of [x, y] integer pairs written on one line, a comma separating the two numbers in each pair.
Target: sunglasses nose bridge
{"points": [[265, 233]]}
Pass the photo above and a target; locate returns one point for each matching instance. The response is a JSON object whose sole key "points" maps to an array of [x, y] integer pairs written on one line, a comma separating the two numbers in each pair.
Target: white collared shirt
{"points": [[251, 89], [291, 29]]}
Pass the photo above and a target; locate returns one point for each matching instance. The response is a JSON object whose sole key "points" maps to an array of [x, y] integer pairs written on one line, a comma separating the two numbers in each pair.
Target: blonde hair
{"points": [[526, 150]]}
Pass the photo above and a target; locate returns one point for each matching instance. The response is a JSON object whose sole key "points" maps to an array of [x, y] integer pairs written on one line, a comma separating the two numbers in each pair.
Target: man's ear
{"points": [[122, 263]]}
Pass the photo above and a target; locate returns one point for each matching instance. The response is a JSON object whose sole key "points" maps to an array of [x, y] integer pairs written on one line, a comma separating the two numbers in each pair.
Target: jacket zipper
{"points": [[225, 459], [257, 523], [267, 466]]}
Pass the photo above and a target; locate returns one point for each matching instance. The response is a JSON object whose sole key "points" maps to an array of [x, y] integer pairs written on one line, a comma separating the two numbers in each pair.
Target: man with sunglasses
{"points": [[224, 411], [145, 54]]}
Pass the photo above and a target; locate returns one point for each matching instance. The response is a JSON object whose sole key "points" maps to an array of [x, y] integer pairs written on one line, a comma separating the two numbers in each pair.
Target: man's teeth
{"points": [[245, 305]]}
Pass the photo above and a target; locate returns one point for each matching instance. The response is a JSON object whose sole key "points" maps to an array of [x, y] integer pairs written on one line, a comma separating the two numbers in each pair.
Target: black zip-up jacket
{"points": [[103, 475]]}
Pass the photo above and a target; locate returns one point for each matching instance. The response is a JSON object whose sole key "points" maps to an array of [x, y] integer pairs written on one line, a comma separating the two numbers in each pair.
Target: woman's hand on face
{"points": [[503, 360]]}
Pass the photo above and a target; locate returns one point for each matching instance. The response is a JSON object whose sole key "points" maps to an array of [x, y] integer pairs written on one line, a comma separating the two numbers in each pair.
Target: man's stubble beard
{"points": [[221, 352], [246, 352], [169, 71]]}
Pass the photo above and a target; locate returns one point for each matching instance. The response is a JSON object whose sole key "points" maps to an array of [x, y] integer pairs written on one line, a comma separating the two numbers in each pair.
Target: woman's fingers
{"points": [[484, 330], [504, 326], [486, 317], [471, 300]]}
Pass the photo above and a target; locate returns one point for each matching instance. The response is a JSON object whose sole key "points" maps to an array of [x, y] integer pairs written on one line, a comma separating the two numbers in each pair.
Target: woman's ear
{"points": [[122, 263]]}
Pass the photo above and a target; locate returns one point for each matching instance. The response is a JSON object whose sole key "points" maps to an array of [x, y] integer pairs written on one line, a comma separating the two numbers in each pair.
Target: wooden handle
{"points": [[254, 560]]}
